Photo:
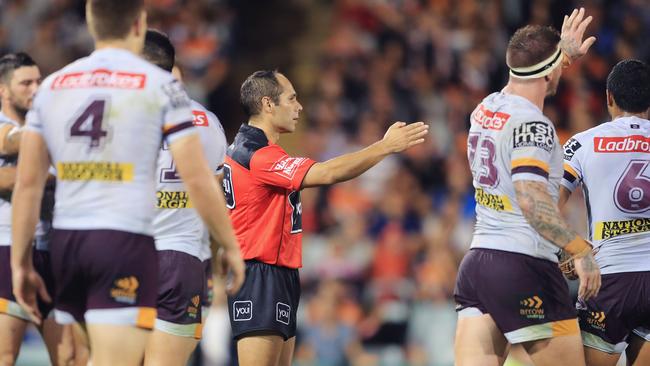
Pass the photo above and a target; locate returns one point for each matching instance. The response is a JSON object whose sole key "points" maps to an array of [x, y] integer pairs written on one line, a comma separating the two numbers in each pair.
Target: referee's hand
{"points": [[233, 264], [401, 136]]}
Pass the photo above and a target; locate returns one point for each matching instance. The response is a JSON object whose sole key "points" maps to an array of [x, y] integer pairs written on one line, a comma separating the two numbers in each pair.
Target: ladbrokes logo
{"points": [[193, 308], [167, 199], [635, 143], [200, 119], [531, 308], [489, 120], [610, 229], [493, 201], [100, 171], [100, 79], [596, 320], [242, 310], [125, 290]]}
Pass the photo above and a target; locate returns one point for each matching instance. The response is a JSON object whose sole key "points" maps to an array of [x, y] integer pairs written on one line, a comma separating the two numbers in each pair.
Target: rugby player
{"points": [[182, 240], [19, 79], [100, 121], [509, 288], [610, 162], [262, 185]]}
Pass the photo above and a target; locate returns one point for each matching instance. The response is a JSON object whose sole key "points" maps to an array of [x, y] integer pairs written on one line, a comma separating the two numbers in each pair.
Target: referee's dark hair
{"points": [[629, 85], [260, 84], [11, 62], [159, 50]]}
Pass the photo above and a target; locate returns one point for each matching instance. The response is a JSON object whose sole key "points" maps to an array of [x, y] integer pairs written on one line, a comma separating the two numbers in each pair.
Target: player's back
{"points": [[177, 225], [611, 162], [510, 139], [102, 119]]}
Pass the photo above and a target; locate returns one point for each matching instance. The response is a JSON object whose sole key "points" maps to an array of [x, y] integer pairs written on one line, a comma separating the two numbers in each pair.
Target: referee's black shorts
{"points": [[267, 301]]}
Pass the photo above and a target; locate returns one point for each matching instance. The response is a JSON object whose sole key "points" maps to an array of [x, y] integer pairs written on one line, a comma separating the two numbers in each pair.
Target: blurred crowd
{"points": [[381, 251]]}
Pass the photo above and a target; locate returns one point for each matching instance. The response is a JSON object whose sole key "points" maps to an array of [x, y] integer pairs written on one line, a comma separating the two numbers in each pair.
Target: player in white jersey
{"points": [[509, 288], [100, 121], [182, 240], [610, 162], [19, 79]]}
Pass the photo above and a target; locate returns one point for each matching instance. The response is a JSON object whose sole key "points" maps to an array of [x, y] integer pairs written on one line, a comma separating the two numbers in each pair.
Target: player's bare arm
{"points": [[10, 139], [209, 201], [564, 196], [541, 212], [33, 163], [399, 137]]}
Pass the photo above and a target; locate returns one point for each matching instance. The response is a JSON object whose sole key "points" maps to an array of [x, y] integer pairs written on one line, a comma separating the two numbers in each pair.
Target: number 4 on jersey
{"points": [[89, 123]]}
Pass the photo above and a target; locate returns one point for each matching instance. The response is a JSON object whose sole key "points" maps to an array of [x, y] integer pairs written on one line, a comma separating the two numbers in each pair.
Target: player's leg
{"points": [[12, 330], [595, 357], [638, 352], [286, 356], [556, 351], [181, 282], [59, 342], [119, 345], [81, 345], [13, 319], [479, 341]]}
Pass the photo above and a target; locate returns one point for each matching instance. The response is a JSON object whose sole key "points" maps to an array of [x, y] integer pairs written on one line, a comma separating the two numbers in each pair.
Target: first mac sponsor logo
{"points": [[242, 310]]}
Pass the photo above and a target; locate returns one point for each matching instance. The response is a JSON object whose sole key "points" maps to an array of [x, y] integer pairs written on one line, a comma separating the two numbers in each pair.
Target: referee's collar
{"points": [[253, 133]]}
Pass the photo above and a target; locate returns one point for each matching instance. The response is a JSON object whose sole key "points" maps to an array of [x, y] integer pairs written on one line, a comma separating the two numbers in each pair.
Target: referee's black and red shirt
{"points": [[262, 186]]}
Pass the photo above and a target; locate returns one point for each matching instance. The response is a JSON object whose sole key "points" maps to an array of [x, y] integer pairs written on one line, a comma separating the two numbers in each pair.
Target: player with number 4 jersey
{"points": [[100, 121], [611, 162]]}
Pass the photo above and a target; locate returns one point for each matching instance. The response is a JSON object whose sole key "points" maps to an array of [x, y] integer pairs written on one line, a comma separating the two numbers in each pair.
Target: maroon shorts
{"points": [[104, 277], [527, 297], [208, 293], [180, 293], [622, 307], [8, 304]]}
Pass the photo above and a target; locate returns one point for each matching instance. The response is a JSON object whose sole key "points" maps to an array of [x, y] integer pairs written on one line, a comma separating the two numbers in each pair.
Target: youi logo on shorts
{"points": [[282, 313], [242, 310]]}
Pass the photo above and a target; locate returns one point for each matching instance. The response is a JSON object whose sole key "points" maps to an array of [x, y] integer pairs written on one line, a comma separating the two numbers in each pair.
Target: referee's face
{"points": [[287, 111]]}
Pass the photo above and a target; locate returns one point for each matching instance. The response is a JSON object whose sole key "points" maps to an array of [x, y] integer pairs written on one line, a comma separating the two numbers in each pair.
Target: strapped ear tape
{"points": [[539, 70]]}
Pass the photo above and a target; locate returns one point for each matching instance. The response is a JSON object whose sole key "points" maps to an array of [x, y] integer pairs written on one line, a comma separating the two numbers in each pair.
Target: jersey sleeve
{"points": [[221, 145], [33, 121], [271, 165], [532, 144], [572, 163], [177, 111]]}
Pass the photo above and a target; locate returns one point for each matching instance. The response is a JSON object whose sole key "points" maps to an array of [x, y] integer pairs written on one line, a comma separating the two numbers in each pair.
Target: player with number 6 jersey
{"points": [[611, 162]]}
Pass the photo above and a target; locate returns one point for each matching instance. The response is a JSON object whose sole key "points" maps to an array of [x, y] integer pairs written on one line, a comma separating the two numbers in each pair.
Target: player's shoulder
{"points": [[203, 117], [4, 120]]}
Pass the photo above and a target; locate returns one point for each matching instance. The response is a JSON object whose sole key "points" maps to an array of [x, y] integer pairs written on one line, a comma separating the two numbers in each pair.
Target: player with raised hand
{"points": [[509, 287]]}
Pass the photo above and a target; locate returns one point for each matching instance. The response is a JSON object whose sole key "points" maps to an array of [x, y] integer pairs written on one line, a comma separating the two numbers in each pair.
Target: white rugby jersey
{"points": [[611, 162], [510, 140], [103, 118], [5, 206], [177, 225]]}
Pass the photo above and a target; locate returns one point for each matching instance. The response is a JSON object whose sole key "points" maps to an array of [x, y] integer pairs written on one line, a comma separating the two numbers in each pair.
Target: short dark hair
{"points": [[629, 84], [159, 50], [263, 83], [11, 62], [531, 45], [112, 19]]}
